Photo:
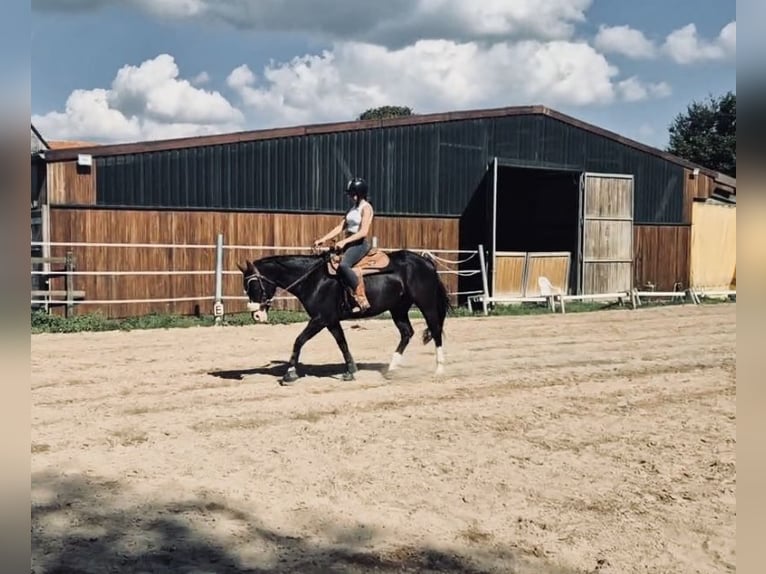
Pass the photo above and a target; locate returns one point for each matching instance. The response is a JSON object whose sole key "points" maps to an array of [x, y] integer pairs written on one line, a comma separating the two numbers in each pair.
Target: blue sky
{"points": [[109, 70]]}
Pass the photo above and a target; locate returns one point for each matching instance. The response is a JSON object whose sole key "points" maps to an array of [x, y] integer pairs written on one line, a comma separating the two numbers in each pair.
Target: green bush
{"points": [[43, 323]]}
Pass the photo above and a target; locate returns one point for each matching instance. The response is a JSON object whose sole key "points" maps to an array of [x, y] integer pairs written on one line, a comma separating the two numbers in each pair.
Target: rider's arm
{"points": [[335, 231]]}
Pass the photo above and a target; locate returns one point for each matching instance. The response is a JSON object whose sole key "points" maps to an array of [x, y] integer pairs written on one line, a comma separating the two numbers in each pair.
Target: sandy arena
{"points": [[592, 442]]}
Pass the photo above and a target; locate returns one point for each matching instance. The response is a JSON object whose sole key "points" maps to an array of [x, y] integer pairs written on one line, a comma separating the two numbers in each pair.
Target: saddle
{"points": [[374, 261]]}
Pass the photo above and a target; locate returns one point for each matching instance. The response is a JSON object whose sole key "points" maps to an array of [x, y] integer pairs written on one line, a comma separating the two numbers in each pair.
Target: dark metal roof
{"points": [[425, 169], [38, 143], [254, 135]]}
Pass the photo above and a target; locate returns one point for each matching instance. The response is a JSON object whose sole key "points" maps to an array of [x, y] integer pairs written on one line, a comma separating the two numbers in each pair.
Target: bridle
{"points": [[256, 276]]}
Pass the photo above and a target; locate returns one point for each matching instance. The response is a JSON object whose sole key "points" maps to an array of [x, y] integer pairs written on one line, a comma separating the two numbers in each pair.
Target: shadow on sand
{"points": [[278, 368], [86, 526]]}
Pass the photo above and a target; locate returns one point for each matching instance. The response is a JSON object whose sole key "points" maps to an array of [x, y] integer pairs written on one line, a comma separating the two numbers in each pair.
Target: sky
{"points": [[111, 71]]}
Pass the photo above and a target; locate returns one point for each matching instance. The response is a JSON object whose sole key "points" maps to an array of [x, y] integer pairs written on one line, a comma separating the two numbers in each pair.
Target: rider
{"points": [[354, 245]]}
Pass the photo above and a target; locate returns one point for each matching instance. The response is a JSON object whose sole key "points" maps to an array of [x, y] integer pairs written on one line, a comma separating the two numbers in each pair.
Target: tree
{"points": [[384, 112], [707, 134]]}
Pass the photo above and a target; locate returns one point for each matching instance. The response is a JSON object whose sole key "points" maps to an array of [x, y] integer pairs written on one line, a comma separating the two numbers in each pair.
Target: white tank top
{"points": [[354, 218]]}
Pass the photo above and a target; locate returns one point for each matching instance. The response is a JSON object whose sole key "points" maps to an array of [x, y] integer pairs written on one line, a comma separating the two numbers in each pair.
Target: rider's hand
{"points": [[318, 242]]}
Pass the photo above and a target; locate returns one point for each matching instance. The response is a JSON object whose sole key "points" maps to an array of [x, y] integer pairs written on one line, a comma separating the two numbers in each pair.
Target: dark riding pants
{"points": [[352, 254]]}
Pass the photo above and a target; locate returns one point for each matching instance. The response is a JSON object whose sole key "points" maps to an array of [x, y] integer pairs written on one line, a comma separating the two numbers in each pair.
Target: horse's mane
{"points": [[283, 260]]}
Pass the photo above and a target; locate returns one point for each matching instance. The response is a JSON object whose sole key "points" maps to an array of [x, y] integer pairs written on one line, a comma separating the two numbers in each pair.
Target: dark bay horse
{"points": [[408, 278]]}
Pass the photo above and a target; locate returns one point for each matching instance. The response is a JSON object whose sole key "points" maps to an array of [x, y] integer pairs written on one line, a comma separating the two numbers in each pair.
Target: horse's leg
{"points": [[314, 326], [401, 318], [340, 338], [434, 312], [431, 315]]}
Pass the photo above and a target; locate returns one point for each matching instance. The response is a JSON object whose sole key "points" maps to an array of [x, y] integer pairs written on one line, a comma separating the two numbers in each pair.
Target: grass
{"points": [[42, 322]]}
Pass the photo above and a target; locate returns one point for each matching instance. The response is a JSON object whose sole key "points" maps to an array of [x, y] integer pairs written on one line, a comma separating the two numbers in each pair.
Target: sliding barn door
{"points": [[606, 233]]}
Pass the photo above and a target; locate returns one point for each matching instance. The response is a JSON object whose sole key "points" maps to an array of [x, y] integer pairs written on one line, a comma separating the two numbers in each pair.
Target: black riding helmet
{"points": [[357, 186]]}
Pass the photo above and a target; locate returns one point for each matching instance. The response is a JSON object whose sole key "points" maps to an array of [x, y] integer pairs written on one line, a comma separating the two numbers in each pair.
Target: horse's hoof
{"points": [[352, 368], [348, 376], [289, 377]]}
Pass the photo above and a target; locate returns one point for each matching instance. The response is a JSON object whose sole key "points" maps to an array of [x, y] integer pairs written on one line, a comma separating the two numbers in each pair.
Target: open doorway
{"points": [[537, 210]]}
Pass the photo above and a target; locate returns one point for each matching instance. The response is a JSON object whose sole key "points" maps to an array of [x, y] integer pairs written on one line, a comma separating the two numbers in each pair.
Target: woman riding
{"points": [[354, 246]]}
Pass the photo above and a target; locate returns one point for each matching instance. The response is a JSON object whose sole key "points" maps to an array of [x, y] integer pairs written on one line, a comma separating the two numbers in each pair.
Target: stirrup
{"points": [[360, 301]]}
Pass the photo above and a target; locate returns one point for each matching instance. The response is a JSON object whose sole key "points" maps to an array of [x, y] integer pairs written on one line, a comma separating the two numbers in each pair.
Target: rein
{"points": [[258, 276]]}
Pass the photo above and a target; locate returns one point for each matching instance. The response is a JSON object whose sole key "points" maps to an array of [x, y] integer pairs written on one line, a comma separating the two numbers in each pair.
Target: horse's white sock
{"points": [[439, 360], [396, 360]]}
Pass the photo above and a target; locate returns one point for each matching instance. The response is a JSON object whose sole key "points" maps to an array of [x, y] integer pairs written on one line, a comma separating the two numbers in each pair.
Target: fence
{"points": [[209, 278], [50, 298], [542, 277], [523, 277]]}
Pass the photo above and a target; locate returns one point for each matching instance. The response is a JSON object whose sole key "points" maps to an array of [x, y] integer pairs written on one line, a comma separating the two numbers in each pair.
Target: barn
{"points": [[514, 180]]}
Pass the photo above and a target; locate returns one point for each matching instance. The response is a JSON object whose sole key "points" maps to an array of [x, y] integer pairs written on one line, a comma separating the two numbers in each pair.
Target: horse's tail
{"points": [[443, 304]]}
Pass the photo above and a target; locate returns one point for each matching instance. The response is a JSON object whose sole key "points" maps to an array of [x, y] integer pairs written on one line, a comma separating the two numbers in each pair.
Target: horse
{"points": [[393, 282]]}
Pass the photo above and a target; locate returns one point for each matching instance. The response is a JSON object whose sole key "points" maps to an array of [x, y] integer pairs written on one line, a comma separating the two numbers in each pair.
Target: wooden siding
{"points": [[661, 256], [713, 246], [607, 234], [509, 274], [699, 186], [70, 184], [553, 266], [193, 227]]}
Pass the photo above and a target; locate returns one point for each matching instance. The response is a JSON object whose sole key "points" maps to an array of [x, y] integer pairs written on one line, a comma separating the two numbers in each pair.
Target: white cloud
{"points": [[624, 40], [684, 45], [148, 101], [431, 75], [161, 8], [153, 89], [87, 115], [634, 90], [152, 101], [173, 8], [392, 23], [201, 78]]}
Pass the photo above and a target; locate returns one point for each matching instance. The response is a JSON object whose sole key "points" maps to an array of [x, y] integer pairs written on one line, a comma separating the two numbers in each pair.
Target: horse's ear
{"points": [[243, 269], [250, 266]]}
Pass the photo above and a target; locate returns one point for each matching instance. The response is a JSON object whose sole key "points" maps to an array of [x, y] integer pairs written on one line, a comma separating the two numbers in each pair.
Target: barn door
{"points": [[606, 233]]}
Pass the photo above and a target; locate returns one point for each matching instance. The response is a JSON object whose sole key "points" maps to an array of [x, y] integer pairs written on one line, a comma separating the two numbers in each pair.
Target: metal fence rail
{"points": [[443, 259]]}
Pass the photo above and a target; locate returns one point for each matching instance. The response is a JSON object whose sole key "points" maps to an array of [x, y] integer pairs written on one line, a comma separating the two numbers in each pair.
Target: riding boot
{"points": [[360, 296]]}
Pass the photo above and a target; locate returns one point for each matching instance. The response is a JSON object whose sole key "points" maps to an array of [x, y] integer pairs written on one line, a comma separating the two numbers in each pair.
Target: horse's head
{"points": [[259, 291]]}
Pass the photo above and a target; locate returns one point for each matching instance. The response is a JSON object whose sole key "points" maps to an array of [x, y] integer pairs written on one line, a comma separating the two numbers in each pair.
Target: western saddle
{"points": [[373, 262]]}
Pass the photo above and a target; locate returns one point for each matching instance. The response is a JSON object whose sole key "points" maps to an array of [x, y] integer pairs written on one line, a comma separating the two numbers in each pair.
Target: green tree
{"points": [[384, 112], [706, 133]]}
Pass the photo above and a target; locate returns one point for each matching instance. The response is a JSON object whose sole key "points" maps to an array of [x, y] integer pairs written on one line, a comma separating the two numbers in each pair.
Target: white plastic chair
{"points": [[550, 292]]}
